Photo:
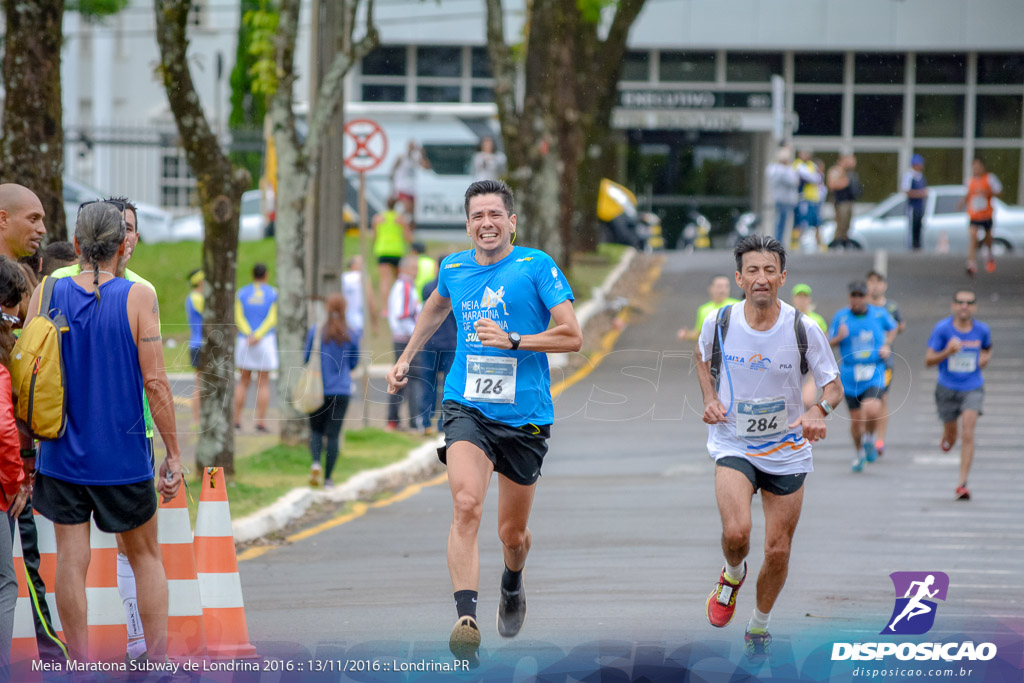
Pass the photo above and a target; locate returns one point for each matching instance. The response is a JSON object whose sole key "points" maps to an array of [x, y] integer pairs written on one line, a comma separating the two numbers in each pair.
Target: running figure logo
{"points": [[492, 299], [914, 612]]}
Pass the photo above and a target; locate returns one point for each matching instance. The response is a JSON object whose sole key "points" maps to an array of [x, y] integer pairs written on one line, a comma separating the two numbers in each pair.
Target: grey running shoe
{"points": [[465, 640], [511, 612], [757, 645]]}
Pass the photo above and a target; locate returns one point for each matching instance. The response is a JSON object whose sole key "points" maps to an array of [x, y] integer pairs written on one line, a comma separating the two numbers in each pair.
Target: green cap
{"points": [[801, 289]]}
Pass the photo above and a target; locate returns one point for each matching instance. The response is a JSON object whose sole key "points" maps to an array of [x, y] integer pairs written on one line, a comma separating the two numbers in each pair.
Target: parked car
{"points": [[945, 224], [154, 222], [251, 227]]}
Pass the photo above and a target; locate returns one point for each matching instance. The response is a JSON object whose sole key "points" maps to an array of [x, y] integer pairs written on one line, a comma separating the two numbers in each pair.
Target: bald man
{"points": [[21, 221]]}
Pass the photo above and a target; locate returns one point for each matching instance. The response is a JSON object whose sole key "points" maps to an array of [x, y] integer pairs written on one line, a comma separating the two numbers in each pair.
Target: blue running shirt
{"points": [[105, 440], [518, 294], [860, 366], [964, 372]]}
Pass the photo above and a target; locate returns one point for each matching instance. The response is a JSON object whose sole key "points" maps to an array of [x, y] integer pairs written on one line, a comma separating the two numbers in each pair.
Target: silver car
{"points": [[886, 226]]}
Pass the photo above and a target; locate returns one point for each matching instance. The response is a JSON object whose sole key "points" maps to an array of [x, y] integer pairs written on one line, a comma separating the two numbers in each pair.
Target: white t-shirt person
{"points": [[765, 367]]}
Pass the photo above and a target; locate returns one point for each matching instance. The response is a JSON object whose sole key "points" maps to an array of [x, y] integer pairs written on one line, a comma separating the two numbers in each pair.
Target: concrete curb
{"points": [[417, 466]]}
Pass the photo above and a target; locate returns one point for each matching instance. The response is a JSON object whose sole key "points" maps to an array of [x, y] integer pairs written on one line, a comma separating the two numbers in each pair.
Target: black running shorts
{"points": [[779, 484], [116, 508], [517, 452], [857, 402]]}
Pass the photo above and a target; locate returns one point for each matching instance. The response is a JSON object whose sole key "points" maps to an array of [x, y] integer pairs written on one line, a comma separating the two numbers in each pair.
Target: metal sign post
{"points": [[369, 146]]}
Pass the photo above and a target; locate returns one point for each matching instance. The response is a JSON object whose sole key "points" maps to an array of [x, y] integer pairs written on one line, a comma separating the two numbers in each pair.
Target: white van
{"points": [[448, 133]]}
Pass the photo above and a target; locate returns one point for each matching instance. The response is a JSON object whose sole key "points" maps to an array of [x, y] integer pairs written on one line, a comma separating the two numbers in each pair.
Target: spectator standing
{"points": [[808, 210], [256, 344], [844, 184], [102, 466], [488, 164], [981, 188], [403, 177], [403, 311], [352, 290], [339, 355], [915, 186], [961, 346], [195, 303], [392, 234], [15, 486], [434, 362], [785, 183], [58, 255]]}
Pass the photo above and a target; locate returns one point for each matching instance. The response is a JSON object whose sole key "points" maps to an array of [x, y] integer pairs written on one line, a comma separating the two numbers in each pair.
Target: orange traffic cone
{"points": [[108, 635], [186, 637], [46, 538], [23, 645], [227, 635]]}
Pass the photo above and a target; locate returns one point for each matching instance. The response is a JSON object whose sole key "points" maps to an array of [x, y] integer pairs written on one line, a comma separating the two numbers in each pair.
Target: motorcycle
{"points": [[743, 225], [696, 234], [622, 223]]}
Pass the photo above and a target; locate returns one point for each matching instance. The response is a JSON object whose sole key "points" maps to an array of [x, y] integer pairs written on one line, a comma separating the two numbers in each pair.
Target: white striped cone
{"points": [[186, 637], [227, 634], [108, 635]]}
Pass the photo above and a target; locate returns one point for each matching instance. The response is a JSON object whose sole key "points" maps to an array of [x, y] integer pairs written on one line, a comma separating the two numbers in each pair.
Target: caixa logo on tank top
{"points": [[914, 613]]}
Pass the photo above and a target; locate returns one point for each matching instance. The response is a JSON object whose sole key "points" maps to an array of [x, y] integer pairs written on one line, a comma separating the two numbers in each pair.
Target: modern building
{"points": [[697, 112]]}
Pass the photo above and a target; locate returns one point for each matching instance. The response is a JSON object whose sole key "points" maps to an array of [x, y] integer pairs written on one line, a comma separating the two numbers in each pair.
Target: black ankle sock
{"points": [[465, 603], [512, 581]]}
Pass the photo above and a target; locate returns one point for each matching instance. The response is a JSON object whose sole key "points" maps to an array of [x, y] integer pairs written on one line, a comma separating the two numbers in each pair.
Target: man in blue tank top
{"points": [[101, 468], [497, 398]]}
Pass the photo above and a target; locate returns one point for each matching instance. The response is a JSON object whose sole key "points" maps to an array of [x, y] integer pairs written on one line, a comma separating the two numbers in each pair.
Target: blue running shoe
{"points": [[858, 464], [870, 452]]}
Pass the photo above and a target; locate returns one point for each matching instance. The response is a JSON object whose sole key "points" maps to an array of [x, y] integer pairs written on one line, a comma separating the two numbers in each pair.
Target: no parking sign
{"points": [[366, 145]]}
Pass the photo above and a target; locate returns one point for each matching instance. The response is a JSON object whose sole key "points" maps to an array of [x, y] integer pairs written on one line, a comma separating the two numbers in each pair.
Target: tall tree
{"points": [[220, 188], [557, 132], [297, 164], [32, 136], [247, 108]]}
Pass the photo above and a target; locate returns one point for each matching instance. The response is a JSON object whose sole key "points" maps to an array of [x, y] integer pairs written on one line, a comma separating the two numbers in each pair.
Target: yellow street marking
{"points": [[360, 508]]}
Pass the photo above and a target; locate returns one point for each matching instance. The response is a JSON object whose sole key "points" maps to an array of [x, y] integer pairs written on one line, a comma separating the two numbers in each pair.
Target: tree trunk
{"points": [[296, 166], [32, 139], [220, 190]]}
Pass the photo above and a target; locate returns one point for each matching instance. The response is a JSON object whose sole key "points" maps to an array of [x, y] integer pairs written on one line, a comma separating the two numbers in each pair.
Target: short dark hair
{"points": [[482, 187], [13, 285], [966, 291], [418, 247], [129, 204], [763, 243], [874, 274], [56, 255], [259, 271], [719, 275]]}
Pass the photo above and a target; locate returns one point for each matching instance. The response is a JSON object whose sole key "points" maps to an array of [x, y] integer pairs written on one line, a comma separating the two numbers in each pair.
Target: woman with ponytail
{"points": [[339, 349]]}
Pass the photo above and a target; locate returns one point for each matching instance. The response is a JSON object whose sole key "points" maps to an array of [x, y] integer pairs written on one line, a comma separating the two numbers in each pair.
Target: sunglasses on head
{"points": [[121, 206]]}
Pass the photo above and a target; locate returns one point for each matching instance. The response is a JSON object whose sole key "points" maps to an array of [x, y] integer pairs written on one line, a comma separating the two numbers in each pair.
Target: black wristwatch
{"points": [[514, 339]]}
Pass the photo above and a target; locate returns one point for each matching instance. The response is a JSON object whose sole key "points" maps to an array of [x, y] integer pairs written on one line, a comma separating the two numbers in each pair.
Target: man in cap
{"points": [[916, 188]]}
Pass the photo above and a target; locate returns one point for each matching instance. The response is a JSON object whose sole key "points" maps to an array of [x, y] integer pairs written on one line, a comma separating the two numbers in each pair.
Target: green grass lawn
{"points": [[262, 478]]}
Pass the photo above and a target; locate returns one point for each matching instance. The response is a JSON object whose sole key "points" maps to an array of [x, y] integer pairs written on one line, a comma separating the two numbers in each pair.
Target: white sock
{"points": [[759, 620], [126, 589], [734, 573]]}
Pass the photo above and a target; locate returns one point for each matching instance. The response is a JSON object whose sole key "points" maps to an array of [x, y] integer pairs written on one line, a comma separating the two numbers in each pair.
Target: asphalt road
{"points": [[625, 526]]}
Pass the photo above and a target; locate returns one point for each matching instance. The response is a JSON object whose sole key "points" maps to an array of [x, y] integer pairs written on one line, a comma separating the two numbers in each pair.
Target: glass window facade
{"points": [[878, 68], [941, 69], [480, 62], [818, 67], [383, 93], [998, 116], [879, 174], [752, 67], [1000, 69], [686, 66], [438, 93], [439, 61], [939, 116], [385, 61], [878, 115], [819, 114], [635, 67], [943, 166]]}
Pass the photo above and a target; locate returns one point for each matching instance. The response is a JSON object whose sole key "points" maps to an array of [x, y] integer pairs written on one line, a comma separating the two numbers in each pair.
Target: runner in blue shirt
{"points": [[864, 335], [961, 346], [497, 399]]}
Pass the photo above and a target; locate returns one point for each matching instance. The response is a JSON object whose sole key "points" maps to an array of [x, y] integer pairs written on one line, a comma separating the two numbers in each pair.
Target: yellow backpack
{"points": [[37, 370]]}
